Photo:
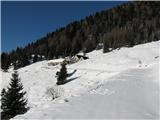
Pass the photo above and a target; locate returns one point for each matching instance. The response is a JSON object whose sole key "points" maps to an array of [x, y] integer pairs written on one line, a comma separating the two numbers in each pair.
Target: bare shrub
{"points": [[55, 91]]}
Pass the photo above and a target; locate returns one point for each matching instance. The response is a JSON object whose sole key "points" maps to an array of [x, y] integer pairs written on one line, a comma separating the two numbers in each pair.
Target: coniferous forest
{"points": [[126, 25]]}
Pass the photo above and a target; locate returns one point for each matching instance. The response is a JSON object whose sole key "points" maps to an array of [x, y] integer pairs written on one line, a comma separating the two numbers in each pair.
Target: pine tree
{"points": [[24, 61], [3, 92], [13, 101], [5, 62], [62, 75], [15, 66], [131, 44], [35, 58], [50, 55], [5, 67]]}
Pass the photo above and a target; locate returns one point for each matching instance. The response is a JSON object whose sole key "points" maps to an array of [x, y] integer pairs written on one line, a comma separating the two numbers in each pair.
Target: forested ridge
{"points": [[127, 25]]}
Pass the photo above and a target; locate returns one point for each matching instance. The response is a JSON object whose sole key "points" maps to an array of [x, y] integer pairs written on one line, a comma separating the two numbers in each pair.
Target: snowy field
{"points": [[120, 84]]}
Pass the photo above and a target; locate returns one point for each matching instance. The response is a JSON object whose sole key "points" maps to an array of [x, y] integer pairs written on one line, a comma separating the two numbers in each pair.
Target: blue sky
{"points": [[24, 22]]}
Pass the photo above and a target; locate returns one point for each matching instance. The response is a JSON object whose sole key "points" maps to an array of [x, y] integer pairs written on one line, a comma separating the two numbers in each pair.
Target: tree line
{"points": [[128, 24]]}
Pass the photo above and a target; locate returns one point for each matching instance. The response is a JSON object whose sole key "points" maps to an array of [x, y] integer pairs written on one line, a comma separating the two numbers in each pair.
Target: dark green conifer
{"points": [[62, 74], [13, 101]]}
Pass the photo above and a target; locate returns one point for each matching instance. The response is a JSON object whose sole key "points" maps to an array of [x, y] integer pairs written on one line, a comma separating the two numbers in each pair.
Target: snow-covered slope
{"points": [[120, 84]]}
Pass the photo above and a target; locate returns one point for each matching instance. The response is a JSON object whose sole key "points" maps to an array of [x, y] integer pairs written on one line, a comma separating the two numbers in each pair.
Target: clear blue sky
{"points": [[24, 22]]}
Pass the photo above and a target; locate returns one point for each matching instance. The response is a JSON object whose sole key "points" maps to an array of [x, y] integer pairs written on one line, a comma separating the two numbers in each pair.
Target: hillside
{"points": [[122, 83], [128, 24]]}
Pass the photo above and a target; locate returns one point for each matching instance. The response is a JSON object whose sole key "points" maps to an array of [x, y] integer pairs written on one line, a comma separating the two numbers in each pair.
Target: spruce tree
{"points": [[24, 61], [5, 62], [62, 74], [13, 101], [35, 58], [15, 66], [3, 92], [50, 55]]}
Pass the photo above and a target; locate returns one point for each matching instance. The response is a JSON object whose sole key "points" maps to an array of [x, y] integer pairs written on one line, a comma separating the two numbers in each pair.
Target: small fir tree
{"points": [[62, 74], [5, 68], [3, 92], [15, 66], [13, 101], [35, 58]]}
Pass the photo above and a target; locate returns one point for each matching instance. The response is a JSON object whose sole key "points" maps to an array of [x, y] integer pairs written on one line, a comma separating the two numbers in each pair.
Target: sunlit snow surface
{"points": [[120, 84]]}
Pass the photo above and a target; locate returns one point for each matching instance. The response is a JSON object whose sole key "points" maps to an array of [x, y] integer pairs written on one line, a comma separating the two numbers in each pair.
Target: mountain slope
{"points": [[119, 84], [129, 95], [128, 24]]}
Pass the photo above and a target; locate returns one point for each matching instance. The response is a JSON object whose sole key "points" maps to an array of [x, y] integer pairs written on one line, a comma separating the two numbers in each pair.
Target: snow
{"points": [[56, 60], [81, 54], [120, 84]]}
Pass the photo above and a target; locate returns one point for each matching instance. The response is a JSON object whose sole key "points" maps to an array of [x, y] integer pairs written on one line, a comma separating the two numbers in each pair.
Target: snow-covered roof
{"points": [[32, 55], [56, 60], [68, 58], [80, 53]]}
